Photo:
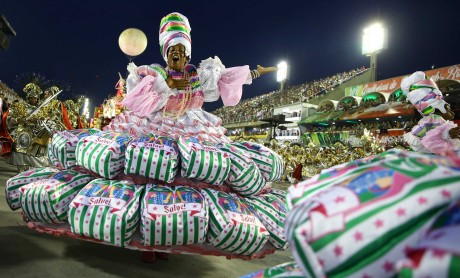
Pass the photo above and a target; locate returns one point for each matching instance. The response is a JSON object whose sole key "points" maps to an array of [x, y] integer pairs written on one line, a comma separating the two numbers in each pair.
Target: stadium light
{"points": [[374, 41], [281, 74], [85, 112]]}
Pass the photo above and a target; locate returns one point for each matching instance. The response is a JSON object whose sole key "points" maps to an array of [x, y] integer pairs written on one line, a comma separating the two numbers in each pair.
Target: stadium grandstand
{"points": [[336, 108]]}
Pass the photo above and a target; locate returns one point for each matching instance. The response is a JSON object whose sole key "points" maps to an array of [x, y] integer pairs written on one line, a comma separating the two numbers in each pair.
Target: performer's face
{"points": [[33, 100], [176, 57]]}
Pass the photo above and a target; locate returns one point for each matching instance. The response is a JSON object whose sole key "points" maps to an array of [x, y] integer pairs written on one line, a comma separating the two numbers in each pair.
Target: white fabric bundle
{"points": [[63, 145], [234, 225], [269, 162], [14, 184], [103, 153], [173, 216], [107, 210], [154, 157], [203, 160], [47, 200], [245, 177]]}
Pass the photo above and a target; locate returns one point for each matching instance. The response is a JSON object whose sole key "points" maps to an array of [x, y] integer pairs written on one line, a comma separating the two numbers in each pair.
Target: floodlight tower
{"points": [[281, 74], [374, 41]]}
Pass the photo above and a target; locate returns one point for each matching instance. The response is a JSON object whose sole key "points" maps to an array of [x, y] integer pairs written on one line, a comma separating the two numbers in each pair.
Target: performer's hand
{"points": [[180, 84], [454, 132], [263, 70]]}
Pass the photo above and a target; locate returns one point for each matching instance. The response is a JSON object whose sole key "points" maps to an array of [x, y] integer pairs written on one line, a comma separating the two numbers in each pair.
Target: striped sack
{"points": [[14, 184], [64, 143], [268, 161], [107, 210], [286, 270], [154, 157], [272, 213], [103, 153], [173, 216], [203, 160], [438, 253], [328, 177], [48, 200], [361, 225], [244, 178], [234, 225]]}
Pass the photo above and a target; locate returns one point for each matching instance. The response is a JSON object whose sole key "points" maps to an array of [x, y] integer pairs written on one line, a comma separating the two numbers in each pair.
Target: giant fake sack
{"points": [[48, 200], [360, 222], [153, 157], [14, 184], [233, 224], [103, 153], [107, 210], [173, 216]]}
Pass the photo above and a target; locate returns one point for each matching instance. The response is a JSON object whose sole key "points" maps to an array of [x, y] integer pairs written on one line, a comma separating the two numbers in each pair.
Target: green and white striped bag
{"points": [[107, 210], [245, 178], [203, 160], [286, 270], [438, 252], [272, 213], [269, 162], [234, 225], [103, 153], [152, 156], [173, 216], [361, 224], [14, 184], [63, 145], [48, 200]]}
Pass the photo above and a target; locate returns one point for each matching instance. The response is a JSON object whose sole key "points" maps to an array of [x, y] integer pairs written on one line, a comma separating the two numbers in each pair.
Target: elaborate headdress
{"points": [[32, 90], [175, 29], [423, 93], [53, 90]]}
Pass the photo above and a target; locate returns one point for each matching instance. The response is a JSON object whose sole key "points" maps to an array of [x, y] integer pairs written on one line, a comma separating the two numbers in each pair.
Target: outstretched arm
{"points": [[263, 70]]}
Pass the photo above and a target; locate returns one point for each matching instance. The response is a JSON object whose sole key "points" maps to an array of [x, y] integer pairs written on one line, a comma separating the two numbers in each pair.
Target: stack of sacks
{"points": [[107, 210], [48, 200], [234, 225], [245, 177], [438, 253], [63, 145], [153, 157], [269, 162], [272, 213], [286, 270], [173, 216], [14, 184], [203, 160], [359, 222], [103, 153]]}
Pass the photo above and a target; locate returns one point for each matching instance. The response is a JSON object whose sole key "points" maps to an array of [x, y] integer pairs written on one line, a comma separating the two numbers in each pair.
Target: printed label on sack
{"points": [[163, 201], [239, 211], [155, 146], [68, 135], [174, 208], [47, 183], [99, 140], [100, 194]]}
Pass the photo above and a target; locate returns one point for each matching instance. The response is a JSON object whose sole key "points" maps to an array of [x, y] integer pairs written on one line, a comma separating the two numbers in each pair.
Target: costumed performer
{"points": [[435, 132], [168, 100]]}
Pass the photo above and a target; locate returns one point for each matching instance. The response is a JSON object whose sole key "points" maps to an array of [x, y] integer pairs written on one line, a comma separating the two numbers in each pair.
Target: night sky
{"points": [[76, 42]]}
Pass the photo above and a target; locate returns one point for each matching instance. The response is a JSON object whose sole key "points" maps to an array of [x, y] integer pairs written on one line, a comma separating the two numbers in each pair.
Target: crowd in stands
{"points": [[262, 106]]}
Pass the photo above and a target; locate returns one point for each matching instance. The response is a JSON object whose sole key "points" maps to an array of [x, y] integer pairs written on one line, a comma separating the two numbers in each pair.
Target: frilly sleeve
{"points": [[147, 90], [438, 140], [216, 80]]}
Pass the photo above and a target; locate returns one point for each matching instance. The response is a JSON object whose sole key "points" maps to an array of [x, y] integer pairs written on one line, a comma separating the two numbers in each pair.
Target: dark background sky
{"points": [[77, 41]]}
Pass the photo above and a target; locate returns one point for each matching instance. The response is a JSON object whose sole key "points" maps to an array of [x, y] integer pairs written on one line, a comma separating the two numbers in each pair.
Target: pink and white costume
{"points": [[155, 108], [431, 134]]}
